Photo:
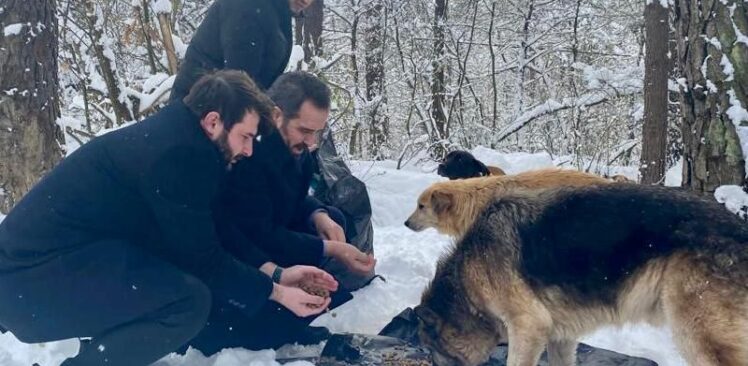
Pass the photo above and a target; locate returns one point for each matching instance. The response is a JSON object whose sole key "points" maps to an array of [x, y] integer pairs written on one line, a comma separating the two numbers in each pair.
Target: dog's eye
{"points": [[420, 206]]}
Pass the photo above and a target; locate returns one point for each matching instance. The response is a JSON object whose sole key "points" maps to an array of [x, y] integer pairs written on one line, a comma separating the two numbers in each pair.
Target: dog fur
{"points": [[541, 269], [460, 164], [451, 207]]}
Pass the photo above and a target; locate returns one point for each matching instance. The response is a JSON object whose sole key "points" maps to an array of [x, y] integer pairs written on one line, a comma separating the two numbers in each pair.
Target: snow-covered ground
{"points": [[406, 259]]}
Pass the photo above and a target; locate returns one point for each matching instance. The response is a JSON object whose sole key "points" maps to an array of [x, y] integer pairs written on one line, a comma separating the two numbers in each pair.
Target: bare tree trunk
{"points": [[656, 71], [355, 131], [412, 84], [522, 61], [375, 22], [439, 65], [712, 151], [164, 23], [29, 105], [144, 18], [121, 112], [462, 63], [308, 31], [494, 85]]}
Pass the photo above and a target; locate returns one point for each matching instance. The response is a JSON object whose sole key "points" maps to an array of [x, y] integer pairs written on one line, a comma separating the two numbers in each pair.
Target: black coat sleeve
{"points": [[252, 213], [242, 36], [309, 204], [179, 188], [307, 207]]}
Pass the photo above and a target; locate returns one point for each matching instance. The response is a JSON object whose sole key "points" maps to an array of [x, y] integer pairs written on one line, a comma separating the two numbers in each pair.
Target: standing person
{"points": [[117, 243], [250, 35]]}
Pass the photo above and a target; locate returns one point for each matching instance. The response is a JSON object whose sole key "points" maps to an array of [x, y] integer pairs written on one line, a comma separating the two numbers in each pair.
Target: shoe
{"points": [[311, 335]]}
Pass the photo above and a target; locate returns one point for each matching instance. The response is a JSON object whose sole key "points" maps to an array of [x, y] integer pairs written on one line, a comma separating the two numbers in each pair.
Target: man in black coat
{"points": [[249, 35], [267, 196], [266, 202], [118, 243]]}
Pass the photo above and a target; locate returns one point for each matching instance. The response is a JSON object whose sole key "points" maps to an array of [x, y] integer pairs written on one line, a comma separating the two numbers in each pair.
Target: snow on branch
{"points": [[605, 85]]}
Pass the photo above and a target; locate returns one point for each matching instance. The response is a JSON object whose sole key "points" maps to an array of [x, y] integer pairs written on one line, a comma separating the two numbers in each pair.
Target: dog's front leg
{"points": [[562, 353], [527, 340]]}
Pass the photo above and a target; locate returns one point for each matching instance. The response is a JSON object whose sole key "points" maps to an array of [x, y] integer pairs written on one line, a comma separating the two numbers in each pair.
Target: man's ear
{"points": [[212, 124], [277, 115], [441, 201]]}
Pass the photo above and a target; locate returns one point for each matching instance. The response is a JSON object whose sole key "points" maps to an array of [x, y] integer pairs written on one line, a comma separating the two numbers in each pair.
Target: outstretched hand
{"points": [[355, 260], [296, 276], [299, 301]]}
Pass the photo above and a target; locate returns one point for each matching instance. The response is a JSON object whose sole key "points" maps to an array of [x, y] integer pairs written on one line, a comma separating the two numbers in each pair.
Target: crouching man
{"points": [[117, 243], [266, 202]]}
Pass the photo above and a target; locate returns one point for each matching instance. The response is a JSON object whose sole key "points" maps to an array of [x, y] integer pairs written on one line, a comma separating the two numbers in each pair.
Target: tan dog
{"points": [[543, 268], [451, 207]]}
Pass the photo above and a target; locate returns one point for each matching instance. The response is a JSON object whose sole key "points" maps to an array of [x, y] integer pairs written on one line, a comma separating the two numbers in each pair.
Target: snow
{"points": [[407, 261], [161, 6], [297, 54], [13, 29], [674, 175], [734, 198], [663, 3]]}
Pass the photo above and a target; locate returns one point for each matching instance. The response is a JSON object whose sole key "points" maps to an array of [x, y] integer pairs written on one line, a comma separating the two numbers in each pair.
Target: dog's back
{"points": [[590, 238], [452, 207]]}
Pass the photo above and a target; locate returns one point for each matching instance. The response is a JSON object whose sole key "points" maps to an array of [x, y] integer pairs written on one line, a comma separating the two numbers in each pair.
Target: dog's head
{"points": [[433, 209], [452, 344], [460, 165]]}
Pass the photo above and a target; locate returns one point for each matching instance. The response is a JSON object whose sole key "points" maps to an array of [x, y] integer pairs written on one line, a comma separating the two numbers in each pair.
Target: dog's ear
{"points": [[441, 201], [482, 168]]}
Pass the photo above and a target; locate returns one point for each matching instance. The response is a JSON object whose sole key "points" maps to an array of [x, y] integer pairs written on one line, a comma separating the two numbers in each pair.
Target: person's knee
{"points": [[196, 305]]}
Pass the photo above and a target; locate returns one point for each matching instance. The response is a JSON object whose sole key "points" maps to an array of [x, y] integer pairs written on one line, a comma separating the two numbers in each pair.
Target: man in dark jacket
{"points": [[266, 201], [249, 35], [117, 243], [267, 196]]}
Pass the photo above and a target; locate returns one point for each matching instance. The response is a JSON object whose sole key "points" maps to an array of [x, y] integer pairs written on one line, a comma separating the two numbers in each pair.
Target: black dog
{"points": [[461, 164]]}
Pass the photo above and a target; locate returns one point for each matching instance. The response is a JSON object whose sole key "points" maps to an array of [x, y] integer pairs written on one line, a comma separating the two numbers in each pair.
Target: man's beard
{"points": [[298, 149], [225, 149]]}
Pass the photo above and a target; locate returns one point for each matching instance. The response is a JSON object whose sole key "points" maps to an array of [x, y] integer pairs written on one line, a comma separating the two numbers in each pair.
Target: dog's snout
{"points": [[407, 223]]}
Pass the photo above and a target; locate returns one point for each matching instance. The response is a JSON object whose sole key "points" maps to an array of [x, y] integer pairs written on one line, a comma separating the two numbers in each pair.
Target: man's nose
{"points": [[310, 140], [247, 149]]}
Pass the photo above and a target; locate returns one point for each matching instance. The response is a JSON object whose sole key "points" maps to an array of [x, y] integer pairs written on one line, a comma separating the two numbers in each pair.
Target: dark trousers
{"points": [[135, 307], [272, 327]]}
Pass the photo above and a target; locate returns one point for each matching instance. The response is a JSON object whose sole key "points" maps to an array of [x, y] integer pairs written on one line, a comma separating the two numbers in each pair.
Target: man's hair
{"points": [[232, 94], [292, 89]]}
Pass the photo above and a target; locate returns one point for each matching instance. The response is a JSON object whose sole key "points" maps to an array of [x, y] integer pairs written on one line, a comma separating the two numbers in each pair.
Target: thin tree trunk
{"points": [[309, 31], [374, 64], [164, 23], [29, 105], [656, 71], [144, 18], [121, 112], [439, 65], [494, 85], [354, 138]]}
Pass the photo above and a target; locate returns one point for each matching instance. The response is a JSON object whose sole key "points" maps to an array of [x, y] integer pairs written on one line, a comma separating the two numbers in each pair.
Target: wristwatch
{"points": [[277, 274]]}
